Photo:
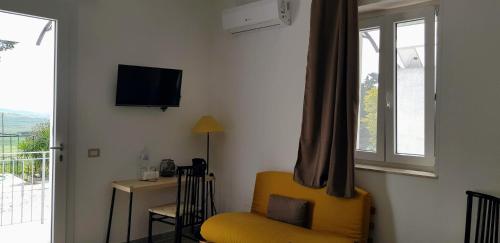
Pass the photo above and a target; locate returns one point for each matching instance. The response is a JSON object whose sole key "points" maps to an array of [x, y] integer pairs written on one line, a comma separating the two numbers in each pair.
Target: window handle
{"points": [[60, 147]]}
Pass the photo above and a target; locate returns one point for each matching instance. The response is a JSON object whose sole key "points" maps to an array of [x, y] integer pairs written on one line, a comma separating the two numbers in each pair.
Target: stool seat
{"points": [[168, 210]]}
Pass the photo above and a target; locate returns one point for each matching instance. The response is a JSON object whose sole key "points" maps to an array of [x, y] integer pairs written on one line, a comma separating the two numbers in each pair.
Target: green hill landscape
{"points": [[17, 123], [20, 122]]}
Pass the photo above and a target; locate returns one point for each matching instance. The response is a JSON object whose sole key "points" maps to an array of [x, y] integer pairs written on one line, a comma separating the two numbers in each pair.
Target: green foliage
{"points": [[7, 45], [26, 164], [371, 80], [24, 171], [370, 119], [368, 112], [9, 145], [39, 141]]}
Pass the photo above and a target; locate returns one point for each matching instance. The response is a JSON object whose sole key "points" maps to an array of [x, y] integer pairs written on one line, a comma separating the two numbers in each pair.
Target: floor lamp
{"points": [[207, 124]]}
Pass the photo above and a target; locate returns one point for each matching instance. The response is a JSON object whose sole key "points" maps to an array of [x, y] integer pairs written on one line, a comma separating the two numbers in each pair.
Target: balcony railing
{"points": [[25, 188]]}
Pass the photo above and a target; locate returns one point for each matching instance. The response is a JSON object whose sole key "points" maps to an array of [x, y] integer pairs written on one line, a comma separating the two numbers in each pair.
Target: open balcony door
{"points": [[17, 38]]}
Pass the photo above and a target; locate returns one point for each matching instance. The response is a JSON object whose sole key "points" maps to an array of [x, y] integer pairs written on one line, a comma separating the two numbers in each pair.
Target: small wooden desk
{"points": [[135, 185]]}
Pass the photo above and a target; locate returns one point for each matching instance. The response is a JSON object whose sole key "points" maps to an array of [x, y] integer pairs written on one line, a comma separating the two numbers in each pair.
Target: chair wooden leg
{"points": [[150, 229]]}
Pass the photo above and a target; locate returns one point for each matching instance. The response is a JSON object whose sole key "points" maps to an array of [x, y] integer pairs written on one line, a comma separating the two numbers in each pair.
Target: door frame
{"points": [[63, 14]]}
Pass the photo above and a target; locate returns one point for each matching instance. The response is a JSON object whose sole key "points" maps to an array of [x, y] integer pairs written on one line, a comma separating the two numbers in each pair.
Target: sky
{"points": [[410, 34], [27, 71]]}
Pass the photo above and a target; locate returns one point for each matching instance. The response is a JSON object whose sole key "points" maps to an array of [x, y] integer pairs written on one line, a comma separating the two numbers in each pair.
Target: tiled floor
{"points": [[26, 233]]}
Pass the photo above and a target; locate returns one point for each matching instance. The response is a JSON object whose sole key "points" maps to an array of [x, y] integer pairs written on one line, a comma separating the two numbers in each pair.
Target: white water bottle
{"points": [[143, 163]]}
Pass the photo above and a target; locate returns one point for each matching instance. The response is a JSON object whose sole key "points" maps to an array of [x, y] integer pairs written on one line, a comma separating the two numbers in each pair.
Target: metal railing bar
{"points": [[1, 204], [7, 155], [27, 159], [12, 198], [16, 190], [43, 191], [26, 188], [22, 193], [22, 153], [32, 183]]}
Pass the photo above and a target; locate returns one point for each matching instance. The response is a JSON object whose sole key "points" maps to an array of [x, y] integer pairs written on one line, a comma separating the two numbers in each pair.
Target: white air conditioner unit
{"points": [[257, 15]]}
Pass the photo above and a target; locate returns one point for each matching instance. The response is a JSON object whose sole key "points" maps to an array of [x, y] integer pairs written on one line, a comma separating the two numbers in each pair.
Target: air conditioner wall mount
{"points": [[257, 15]]}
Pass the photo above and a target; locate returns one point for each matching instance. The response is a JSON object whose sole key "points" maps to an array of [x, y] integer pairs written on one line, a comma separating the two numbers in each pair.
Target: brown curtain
{"points": [[328, 137]]}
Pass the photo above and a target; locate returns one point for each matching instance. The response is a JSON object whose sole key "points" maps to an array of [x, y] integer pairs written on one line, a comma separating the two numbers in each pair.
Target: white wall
{"points": [[162, 33], [257, 93]]}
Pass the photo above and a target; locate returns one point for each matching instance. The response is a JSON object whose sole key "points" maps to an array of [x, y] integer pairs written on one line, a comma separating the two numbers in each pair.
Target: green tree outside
{"points": [[370, 119], [38, 142], [368, 112], [6, 45]]}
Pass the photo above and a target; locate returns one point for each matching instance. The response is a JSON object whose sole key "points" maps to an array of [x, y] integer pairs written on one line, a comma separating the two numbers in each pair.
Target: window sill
{"points": [[394, 170]]}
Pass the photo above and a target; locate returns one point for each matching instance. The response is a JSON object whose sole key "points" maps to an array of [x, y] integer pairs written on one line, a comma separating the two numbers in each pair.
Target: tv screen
{"points": [[148, 86]]}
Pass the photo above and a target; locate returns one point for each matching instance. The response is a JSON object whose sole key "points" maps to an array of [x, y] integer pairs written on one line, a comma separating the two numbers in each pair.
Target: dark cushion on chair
{"points": [[288, 210]]}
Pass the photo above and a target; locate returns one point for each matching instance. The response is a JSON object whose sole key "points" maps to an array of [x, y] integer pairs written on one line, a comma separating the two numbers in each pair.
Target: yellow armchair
{"points": [[334, 220]]}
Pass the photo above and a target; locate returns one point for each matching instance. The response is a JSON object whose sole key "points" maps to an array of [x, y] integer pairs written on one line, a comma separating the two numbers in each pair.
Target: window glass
{"points": [[368, 92], [410, 88]]}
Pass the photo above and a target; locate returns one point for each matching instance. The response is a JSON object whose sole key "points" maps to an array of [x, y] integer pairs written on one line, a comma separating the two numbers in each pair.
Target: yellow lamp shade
{"points": [[207, 124]]}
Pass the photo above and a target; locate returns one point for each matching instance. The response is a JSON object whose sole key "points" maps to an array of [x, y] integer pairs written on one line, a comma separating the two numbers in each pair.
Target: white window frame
{"points": [[385, 155], [375, 23]]}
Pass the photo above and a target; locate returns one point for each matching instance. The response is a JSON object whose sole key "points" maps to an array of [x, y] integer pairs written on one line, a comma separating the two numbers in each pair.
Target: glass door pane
{"points": [[410, 88], [27, 67]]}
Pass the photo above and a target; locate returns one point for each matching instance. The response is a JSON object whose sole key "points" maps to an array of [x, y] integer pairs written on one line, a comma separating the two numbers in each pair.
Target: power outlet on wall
{"points": [[94, 153]]}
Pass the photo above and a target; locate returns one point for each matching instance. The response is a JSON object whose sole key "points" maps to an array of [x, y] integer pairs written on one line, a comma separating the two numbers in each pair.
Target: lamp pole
{"points": [[208, 151]]}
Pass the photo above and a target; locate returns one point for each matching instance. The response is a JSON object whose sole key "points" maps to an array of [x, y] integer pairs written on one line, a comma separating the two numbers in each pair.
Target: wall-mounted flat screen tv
{"points": [[148, 86]]}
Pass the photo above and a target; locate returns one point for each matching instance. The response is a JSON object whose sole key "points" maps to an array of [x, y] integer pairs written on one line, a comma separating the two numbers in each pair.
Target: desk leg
{"points": [[111, 214], [129, 215]]}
